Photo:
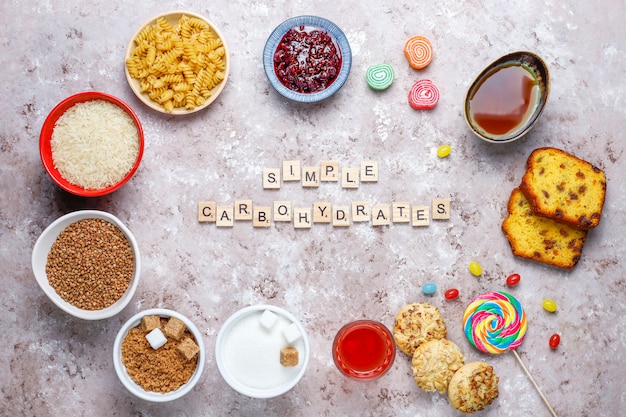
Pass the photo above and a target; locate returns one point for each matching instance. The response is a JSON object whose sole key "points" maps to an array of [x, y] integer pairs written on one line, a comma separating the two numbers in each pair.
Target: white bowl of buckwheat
{"points": [[159, 355], [87, 263]]}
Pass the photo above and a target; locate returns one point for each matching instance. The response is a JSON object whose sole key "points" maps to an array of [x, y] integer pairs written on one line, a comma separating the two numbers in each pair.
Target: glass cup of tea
{"points": [[364, 349]]}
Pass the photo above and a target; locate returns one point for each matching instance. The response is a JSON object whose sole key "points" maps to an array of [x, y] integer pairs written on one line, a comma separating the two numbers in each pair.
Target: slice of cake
{"points": [[562, 187], [539, 238]]}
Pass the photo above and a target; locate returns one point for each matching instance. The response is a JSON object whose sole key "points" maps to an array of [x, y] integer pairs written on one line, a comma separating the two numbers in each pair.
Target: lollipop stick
{"points": [[545, 400]]}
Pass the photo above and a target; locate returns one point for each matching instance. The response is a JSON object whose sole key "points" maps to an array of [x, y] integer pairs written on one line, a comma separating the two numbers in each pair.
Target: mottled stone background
{"points": [[53, 364]]}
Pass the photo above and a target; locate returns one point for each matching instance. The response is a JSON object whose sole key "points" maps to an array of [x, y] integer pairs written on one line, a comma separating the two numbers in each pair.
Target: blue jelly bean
{"points": [[429, 288]]}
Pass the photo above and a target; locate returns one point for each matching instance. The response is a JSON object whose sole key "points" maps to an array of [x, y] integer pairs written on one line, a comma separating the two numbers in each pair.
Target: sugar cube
{"points": [[268, 319], [291, 333], [156, 338], [149, 323], [289, 356], [175, 328], [188, 348]]}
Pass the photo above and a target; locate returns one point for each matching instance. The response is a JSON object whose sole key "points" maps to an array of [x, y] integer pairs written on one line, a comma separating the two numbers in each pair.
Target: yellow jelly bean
{"points": [[475, 269], [549, 305], [443, 151]]}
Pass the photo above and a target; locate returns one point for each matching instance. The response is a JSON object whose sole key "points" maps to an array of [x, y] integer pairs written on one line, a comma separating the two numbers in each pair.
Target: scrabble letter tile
{"points": [[350, 178], [361, 211], [282, 211], [302, 218], [206, 211], [341, 216], [329, 171], [441, 209], [271, 178], [420, 216], [401, 212], [381, 215], [225, 216], [261, 216], [369, 171], [311, 177], [321, 212], [291, 170], [243, 209]]}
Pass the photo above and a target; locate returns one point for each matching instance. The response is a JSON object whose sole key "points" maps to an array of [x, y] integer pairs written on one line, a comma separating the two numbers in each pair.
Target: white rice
{"points": [[94, 144]]}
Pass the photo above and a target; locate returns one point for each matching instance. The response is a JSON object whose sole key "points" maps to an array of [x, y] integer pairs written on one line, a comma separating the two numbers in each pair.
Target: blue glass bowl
{"points": [[318, 22]]}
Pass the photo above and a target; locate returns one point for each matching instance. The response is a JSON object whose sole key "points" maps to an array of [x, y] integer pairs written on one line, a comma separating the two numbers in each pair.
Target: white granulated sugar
{"points": [[94, 144], [252, 353]]}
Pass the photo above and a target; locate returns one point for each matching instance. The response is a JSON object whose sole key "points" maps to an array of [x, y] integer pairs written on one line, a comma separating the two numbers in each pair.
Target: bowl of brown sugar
{"points": [[159, 355], [87, 263]]}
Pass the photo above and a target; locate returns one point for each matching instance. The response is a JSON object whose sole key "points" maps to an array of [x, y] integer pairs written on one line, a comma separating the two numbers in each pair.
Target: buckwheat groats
{"points": [[90, 264]]}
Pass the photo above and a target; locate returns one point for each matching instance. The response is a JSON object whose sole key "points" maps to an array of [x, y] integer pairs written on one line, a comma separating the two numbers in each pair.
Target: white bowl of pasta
{"points": [[177, 63]]}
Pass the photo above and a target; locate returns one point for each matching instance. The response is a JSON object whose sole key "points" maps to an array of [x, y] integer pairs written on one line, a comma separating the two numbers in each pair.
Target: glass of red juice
{"points": [[364, 349]]}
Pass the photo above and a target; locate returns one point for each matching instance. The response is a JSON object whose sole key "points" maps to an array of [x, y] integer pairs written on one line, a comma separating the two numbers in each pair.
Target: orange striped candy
{"points": [[418, 51]]}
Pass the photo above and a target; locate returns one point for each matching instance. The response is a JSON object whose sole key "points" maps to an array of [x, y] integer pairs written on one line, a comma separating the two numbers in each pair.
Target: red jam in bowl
{"points": [[307, 60]]}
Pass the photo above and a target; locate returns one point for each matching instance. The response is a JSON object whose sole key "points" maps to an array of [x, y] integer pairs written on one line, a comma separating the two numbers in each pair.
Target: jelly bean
{"points": [[512, 280], [549, 305], [451, 294], [555, 339], [429, 288], [475, 269], [443, 151]]}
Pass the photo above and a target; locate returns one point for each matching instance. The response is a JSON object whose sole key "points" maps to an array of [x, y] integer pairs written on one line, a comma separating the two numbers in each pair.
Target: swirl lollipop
{"points": [[495, 323]]}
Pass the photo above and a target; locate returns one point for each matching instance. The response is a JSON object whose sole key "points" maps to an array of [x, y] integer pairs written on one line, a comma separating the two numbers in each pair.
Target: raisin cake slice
{"points": [[539, 238], [565, 188]]}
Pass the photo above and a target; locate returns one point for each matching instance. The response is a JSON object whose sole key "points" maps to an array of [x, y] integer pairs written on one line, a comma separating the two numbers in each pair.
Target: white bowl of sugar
{"points": [[262, 351]]}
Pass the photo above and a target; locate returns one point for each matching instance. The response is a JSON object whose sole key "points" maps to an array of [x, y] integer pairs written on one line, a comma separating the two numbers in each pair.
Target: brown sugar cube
{"points": [[289, 356], [149, 323], [174, 328], [187, 348]]}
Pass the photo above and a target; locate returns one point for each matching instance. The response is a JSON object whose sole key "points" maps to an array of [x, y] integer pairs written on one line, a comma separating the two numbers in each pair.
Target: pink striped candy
{"points": [[424, 95]]}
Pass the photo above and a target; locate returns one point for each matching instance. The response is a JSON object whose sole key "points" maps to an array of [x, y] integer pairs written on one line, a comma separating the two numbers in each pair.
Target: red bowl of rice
{"points": [[91, 144]]}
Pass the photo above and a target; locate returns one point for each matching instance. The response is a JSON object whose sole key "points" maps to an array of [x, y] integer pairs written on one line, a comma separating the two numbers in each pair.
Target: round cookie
{"points": [[473, 387], [416, 323], [434, 363]]}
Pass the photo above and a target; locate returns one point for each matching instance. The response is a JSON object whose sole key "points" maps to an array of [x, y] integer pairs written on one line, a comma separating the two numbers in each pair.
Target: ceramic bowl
{"points": [[247, 351], [535, 70], [308, 22], [47, 130], [135, 388], [40, 256], [172, 18]]}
